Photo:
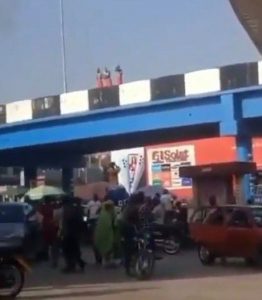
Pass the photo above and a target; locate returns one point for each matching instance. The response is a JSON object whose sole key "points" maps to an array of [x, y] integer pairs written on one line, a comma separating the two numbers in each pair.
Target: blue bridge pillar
{"points": [[232, 124], [229, 122], [30, 175], [244, 152]]}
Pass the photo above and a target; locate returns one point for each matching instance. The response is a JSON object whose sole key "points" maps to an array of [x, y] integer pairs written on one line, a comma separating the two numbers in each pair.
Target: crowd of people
{"points": [[64, 222]]}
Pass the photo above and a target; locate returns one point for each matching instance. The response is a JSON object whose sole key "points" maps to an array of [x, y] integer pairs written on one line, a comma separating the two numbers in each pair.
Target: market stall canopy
{"points": [[249, 13], [42, 191], [219, 169]]}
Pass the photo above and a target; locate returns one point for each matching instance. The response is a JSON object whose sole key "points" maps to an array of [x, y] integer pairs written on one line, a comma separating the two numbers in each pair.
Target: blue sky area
{"points": [[148, 38]]}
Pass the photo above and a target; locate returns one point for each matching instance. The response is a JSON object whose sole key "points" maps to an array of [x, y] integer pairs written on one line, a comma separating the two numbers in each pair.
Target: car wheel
{"points": [[250, 261], [258, 258], [205, 256]]}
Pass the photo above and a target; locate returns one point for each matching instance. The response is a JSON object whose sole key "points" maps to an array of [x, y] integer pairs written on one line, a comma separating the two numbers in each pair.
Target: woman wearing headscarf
{"points": [[104, 232]]}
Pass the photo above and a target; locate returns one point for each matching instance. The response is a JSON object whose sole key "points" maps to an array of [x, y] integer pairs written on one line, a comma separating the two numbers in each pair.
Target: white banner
{"points": [[131, 163]]}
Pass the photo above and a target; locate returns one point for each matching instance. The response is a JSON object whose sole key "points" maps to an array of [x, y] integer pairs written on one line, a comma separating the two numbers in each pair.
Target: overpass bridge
{"points": [[57, 130]]}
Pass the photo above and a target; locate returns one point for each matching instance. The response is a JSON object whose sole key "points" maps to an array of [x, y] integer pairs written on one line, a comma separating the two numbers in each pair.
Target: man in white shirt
{"points": [[159, 214], [166, 200], [93, 208]]}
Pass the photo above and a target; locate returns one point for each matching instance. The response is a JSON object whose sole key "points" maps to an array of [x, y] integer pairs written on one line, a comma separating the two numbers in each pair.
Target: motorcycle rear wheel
{"points": [[172, 246]]}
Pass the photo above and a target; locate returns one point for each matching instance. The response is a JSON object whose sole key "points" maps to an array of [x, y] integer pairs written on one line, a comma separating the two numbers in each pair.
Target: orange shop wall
{"points": [[257, 151], [194, 152]]}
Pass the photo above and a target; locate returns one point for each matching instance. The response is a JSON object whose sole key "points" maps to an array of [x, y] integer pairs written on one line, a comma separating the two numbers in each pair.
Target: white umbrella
{"points": [[42, 191]]}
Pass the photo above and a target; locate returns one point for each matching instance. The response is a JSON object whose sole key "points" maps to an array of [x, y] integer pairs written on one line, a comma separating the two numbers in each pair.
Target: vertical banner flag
{"points": [[131, 162]]}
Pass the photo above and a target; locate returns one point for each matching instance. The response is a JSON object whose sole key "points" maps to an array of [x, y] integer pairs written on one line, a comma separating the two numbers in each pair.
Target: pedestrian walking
{"points": [[104, 233], [72, 219]]}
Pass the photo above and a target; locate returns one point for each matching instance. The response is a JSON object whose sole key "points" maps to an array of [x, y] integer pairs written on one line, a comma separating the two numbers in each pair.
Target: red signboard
{"points": [[163, 161], [257, 151]]}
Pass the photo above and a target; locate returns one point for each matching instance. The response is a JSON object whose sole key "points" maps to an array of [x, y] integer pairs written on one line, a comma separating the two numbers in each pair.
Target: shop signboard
{"points": [[163, 164], [257, 152]]}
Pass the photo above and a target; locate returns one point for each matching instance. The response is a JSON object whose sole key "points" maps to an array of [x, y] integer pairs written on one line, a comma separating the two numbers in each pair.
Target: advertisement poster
{"points": [[131, 163], [163, 165]]}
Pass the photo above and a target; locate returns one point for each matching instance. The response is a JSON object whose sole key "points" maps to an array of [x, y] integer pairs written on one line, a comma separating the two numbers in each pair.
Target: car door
{"points": [[239, 234], [196, 224], [208, 228], [214, 233]]}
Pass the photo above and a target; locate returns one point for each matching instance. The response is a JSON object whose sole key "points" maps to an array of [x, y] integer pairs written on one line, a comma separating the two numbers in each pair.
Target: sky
{"points": [[147, 38]]}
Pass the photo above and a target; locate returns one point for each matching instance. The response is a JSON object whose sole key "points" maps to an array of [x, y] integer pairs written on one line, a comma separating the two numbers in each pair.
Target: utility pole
{"points": [[63, 48]]}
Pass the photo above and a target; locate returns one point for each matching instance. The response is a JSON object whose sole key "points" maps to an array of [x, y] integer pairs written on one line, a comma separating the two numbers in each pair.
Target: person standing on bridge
{"points": [[106, 78], [99, 83], [119, 75]]}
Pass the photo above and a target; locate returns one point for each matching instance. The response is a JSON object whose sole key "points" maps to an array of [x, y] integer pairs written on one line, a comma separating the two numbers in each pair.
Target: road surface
{"points": [[180, 277]]}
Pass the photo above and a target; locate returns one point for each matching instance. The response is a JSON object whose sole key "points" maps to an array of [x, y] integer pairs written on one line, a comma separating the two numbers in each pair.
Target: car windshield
{"points": [[257, 214], [11, 214]]}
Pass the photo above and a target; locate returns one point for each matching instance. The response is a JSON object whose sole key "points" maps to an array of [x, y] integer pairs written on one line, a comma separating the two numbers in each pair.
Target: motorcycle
{"points": [[167, 239], [12, 275], [143, 258]]}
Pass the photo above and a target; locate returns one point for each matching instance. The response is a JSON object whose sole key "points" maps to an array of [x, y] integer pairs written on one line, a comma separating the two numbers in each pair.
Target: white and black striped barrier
{"points": [[174, 86]]}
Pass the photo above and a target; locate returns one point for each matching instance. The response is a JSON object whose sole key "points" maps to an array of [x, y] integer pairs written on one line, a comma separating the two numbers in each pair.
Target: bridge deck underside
{"points": [[57, 153]]}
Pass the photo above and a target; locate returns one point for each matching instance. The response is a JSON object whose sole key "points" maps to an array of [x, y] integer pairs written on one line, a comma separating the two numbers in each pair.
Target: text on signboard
{"points": [[170, 156]]}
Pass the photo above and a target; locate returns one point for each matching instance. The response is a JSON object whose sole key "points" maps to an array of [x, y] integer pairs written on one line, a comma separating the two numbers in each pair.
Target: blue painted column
{"points": [[229, 122], [232, 125], [30, 175], [244, 152], [67, 180], [244, 147]]}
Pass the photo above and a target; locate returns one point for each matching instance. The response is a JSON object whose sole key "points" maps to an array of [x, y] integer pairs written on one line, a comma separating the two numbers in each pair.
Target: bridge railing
{"points": [[174, 86]]}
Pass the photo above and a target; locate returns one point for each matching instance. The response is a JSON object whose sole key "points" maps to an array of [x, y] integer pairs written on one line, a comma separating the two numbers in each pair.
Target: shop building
{"points": [[163, 162]]}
